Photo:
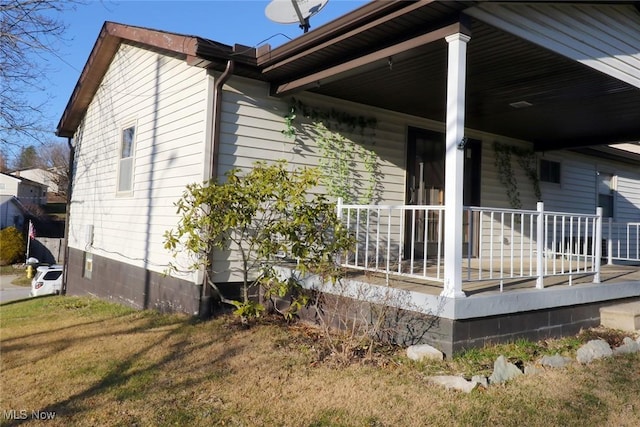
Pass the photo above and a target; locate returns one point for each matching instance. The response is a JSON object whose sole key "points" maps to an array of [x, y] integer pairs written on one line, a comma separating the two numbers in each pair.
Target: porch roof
{"points": [[572, 105], [392, 55]]}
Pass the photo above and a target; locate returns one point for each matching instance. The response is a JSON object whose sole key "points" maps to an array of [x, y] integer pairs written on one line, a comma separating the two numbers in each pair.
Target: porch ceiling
{"points": [[572, 105]]}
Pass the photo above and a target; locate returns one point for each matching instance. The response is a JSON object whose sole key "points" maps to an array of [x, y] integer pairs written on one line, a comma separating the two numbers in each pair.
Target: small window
{"points": [[549, 171], [125, 166], [88, 265], [606, 190]]}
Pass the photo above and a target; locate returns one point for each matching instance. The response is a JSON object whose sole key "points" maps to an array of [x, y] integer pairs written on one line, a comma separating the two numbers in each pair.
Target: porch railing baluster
{"points": [[536, 237]]}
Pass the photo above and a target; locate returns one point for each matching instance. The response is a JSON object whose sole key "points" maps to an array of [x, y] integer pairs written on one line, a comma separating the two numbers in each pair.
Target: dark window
{"points": [[52, 275], [549, 171]]}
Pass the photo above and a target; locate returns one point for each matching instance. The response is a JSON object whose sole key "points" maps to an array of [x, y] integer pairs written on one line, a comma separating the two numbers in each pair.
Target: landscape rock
{"points": [[594, 349], [503, 371], [480, 380], [424, 351], [454, 382], [628, 346], [555, 361], [532, 370]]}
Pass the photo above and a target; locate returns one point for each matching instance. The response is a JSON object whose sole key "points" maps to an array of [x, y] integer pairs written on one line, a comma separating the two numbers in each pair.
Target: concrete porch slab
{"points": [[624, 316]]}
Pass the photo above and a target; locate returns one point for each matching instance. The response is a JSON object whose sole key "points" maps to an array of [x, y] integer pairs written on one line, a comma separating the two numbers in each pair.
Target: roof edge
{"points": [[344, 23], [109, 39]]}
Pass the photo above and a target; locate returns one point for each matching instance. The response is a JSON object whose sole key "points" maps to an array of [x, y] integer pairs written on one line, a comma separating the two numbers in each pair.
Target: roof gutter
{"points": [[343, 24], [217, 114]]}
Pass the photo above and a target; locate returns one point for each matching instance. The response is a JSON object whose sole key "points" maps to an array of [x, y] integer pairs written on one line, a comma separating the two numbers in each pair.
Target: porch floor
{"points": [[608, 274]]}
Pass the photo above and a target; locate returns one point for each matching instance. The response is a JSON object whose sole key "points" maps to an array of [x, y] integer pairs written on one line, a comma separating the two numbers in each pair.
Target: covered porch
{"points": [[524, 274], [551, 76]]}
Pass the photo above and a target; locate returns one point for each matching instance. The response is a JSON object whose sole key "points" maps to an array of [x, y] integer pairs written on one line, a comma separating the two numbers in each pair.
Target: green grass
{"points": [[97, 363]]}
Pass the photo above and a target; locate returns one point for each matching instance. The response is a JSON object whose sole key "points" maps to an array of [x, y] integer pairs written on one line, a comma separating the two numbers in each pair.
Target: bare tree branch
{"points": [[30, 30]]}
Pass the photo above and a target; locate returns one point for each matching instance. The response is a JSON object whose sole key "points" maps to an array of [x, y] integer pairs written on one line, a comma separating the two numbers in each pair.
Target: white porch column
{"points": [[454, 165]]}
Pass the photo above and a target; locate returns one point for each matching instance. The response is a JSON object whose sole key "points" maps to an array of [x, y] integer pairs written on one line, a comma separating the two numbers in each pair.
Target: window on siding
{"points": [[606, 190], [125, 166], [549, 171]]}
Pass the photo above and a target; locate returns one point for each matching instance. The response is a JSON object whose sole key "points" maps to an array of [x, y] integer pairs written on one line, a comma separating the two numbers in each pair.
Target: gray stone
{"points": [[424, 351], [503, 371], [453, 382], [628, 346], [593, 350], [480, 380], [532, 370], [555, 361]]}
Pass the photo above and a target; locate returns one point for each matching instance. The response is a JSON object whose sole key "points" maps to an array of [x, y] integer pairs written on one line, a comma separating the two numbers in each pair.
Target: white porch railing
{"points": [[508, 244], [382, 242], [499, 244], [623, 241]]}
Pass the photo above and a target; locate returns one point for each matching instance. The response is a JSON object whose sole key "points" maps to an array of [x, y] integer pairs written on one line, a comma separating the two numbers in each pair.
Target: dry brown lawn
{"points": [[98, 364]]}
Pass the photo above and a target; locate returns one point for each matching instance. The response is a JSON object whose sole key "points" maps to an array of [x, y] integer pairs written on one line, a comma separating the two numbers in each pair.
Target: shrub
{"points": [[12, 245]]}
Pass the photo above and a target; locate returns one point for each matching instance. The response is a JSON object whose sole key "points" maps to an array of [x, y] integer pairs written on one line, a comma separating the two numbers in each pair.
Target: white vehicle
{"points": [[47, 281]]}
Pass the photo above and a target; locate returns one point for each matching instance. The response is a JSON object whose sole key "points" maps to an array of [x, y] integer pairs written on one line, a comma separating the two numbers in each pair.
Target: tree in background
{"points": [[54, 157], [27, 159], [29, 30], [4, 167]]}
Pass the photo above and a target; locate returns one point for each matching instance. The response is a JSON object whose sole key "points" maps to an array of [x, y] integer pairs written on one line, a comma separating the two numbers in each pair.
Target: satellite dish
{"points": [[294, 11]]}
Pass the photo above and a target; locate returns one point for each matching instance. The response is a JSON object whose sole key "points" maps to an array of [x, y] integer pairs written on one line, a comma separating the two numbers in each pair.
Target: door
{"points": [[425, 186]]}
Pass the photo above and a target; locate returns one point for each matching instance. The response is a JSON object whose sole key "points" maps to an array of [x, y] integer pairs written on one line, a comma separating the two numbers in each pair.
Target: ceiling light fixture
{"points": [[520, 104]]}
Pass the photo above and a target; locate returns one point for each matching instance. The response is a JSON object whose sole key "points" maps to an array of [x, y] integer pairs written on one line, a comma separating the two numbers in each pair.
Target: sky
{"points": [[225, 21]]}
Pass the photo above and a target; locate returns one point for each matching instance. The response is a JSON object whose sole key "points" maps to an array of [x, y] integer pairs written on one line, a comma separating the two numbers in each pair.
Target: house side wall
{"points": [[164, 99], [44, 177], [10, 214], [32, 193], [252, 125], [627, 197], [578, 192], [8, 185]]}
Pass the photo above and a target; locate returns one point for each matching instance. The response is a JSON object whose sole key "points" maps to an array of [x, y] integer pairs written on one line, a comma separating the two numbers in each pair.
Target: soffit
{"points": [[572, 104]]}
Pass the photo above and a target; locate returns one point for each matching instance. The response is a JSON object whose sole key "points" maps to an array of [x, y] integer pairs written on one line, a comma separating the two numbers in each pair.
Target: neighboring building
{"points": [[12, 213], [48, 177], [437, 92], [27, 191]]}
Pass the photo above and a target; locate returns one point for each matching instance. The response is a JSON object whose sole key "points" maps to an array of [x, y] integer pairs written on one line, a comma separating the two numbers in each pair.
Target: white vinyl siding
{"points": [[252, 125], [627, 199], [168, 99]]}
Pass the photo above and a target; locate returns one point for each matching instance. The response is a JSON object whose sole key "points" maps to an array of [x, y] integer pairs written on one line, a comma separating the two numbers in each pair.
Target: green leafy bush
{"points": [[269, 216], [12, 246]]}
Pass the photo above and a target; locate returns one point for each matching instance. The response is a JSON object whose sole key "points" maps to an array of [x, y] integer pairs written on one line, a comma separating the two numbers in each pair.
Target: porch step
{"points": [[625, 316]]}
